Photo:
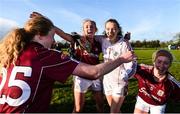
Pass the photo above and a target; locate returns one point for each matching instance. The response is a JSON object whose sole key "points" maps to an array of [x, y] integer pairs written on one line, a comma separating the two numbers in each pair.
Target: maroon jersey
{"points": [[87, 52], [27, 87], [153, 92]]}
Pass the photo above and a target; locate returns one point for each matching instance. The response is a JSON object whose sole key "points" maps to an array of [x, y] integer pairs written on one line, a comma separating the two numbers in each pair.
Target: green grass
{"points": [[62, 98]]}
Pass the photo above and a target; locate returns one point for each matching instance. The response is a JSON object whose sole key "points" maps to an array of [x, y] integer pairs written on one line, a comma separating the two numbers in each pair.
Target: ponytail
{"points": [[12, 45]]}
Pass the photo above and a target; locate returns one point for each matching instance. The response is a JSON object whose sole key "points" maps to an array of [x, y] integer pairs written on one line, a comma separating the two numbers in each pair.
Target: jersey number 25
{"points": [[14, 82]]}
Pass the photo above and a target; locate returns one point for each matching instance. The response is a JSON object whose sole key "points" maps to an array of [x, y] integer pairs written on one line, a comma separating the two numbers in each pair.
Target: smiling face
{"points": [[89, 28], [162, 64], [112, 31], [162, 60]]}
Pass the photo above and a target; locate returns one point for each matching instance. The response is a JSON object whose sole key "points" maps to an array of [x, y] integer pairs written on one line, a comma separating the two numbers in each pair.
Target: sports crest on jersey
{"points": [[160, 93]]}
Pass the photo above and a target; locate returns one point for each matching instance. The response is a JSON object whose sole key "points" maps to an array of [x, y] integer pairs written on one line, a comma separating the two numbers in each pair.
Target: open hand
{"points": [[127, 36], [35, 14]]}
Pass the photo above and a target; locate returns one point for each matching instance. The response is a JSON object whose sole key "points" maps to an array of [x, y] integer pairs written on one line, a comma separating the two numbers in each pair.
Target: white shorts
{"points": [[153, 109], [117, 89], [82, 85]]}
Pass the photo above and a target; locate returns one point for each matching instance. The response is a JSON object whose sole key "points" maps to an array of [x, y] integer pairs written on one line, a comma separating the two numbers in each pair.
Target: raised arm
{"points": [[127, 36], [63, 35], [95, 71], [58, 31]]}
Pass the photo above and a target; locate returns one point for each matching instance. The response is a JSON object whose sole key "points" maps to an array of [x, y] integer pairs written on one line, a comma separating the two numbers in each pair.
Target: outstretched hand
{"points": [[127, 36], [35, 14], [129, 56]]}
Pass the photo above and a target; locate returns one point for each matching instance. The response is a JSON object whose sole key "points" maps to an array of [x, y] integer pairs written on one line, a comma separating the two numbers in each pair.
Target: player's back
{"points": [[21, 83]]}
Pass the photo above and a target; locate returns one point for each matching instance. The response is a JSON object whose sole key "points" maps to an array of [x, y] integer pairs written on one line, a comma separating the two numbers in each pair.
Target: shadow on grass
{"points": [[63, 101]]}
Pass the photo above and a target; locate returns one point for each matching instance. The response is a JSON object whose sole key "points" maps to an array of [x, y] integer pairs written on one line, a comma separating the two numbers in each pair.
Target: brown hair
{"points": [[15, 41], [89, 20], [118, 26], [162, 52]]}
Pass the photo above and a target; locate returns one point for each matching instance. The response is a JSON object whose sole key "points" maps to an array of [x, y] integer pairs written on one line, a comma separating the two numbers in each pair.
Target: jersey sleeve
{"points": [[99, 38], [142, 70], [56, 66], [176, 89], [138, 71], [176, 94], [129, 68]]}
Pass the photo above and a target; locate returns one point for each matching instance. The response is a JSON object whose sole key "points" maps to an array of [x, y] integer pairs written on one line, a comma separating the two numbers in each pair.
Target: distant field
{"points": [[62, 99]]}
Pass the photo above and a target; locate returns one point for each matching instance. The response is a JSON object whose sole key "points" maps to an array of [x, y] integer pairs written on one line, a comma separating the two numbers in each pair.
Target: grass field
{"points": [[62, 98]]}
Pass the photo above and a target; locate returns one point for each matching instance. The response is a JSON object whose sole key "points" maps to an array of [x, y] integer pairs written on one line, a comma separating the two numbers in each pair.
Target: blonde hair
{"points": [[89, 20], [162, 52], [15, 41]]}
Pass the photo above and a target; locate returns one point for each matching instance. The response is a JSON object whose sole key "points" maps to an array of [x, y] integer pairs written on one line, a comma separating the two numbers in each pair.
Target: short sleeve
{"points": [[99, 38], [56, 66]]}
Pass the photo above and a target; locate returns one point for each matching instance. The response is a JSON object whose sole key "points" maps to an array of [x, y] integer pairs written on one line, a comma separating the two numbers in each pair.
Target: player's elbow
{"points": [[87, 71], [94, 73]]}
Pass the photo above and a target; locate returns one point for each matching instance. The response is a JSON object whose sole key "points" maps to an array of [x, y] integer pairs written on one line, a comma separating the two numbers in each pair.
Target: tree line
{"points": [[138, 44]]}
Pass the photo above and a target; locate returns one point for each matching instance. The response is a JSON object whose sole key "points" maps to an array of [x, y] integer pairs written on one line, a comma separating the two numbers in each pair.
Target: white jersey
{"points": [[115, 83], [113, 51]]}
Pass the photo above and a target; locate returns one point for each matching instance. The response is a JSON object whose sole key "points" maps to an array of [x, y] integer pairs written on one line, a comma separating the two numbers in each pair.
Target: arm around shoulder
{"points": [[96, 71]]}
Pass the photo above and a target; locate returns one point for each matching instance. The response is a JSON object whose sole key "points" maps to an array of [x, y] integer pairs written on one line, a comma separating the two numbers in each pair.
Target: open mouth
{"points": [[161, 70], [90, 33]]}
